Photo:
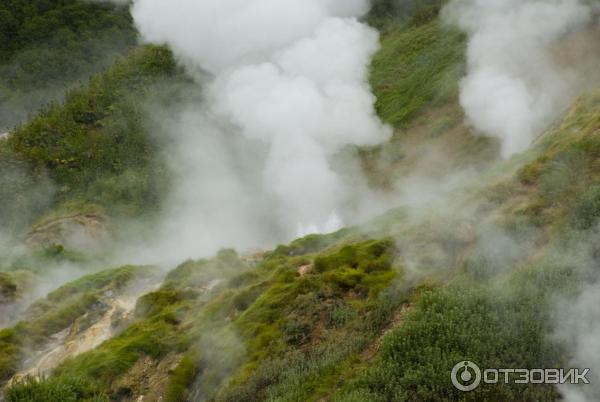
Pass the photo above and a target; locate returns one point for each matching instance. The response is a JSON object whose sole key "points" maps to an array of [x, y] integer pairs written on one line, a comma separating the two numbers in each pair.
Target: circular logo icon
{"points": [[466, 376]]}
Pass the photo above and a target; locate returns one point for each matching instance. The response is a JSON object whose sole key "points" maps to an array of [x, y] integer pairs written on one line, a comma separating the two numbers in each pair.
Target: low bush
{"points": [[63, 389], [463, 322], [182, 377], [587, 209]]}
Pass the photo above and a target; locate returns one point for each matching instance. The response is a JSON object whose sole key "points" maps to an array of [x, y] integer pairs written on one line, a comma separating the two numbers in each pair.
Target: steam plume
{"points": [[287, 91], [518, 79], [578, 326]]}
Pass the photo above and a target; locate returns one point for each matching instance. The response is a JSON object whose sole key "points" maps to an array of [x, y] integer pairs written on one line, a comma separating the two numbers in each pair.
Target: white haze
{"points": [[519, 80], [285, 89], [576, 315], [578, 325]]}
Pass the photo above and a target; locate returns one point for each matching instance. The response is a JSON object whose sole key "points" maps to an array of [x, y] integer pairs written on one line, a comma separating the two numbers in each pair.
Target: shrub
{"points": [[489, 327], [63, 389], [10, 354], [182, 378], [155, 302], [587, 209], [246, 297], [340, 315], [365, 267], [296, 332]]}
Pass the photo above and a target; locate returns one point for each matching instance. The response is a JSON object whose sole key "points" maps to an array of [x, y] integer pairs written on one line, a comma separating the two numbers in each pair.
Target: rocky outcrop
{"points": [[83, 232]]}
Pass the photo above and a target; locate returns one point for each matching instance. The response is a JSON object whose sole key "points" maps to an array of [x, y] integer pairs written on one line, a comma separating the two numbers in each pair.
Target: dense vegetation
{"points": [[494, 328], [49, 161], [47, 46], [417, 68], [389, 13]]}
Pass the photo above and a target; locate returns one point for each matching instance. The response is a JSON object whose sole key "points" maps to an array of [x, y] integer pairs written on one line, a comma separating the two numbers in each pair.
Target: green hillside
{"points": [[47, 47], [50, 158], [381, 311]]}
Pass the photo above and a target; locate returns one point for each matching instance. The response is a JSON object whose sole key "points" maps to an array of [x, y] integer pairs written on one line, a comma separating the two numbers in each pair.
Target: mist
{"points": [[526, 64], [282, 90], [578, 323]]}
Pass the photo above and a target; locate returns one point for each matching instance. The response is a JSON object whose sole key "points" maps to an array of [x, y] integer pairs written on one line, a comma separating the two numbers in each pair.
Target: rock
{"points": [[80, 232]]}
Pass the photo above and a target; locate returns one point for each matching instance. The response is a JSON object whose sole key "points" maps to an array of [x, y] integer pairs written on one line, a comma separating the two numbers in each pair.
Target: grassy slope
{"points": [[415, 77], [268, 332], [56, 312], [47, 46], [47, 163], [269, 311]]}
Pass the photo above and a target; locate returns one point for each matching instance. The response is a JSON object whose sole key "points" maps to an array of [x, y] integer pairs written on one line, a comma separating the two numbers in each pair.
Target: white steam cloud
{"points": [[579, 326], [519, 81], [288, 90]]}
